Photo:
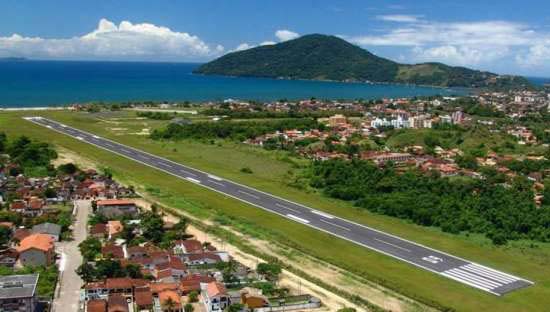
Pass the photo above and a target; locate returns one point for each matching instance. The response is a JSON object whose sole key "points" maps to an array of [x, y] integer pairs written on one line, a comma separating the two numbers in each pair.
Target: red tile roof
{"points": [[114, 202], [215, 289], [96, 305], [41, 242]]}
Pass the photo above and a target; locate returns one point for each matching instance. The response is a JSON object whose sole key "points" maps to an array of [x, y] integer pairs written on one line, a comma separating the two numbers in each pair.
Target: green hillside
{"points": [[322, 57]]}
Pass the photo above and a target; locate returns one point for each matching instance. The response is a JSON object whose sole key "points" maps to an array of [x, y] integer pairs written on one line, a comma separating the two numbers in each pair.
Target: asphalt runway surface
{"points": [[444, 264]]}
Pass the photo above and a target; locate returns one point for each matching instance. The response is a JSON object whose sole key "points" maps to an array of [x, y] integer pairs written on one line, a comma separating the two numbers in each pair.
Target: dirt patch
{"points": [[65, 156]]}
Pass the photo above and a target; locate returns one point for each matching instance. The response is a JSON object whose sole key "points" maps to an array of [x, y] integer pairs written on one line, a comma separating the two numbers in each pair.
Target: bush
{"points": [[246, 170]]}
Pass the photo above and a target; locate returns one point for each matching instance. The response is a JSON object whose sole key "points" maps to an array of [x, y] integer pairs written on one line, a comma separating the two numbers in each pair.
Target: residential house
{"points": [[111, 208], [52, 229], [252, 298], [96, 305], [215, 296], [114, 227], [18, 293], [99, 231], [187, 246], [117, 303], [36, 250], [8, 257]]}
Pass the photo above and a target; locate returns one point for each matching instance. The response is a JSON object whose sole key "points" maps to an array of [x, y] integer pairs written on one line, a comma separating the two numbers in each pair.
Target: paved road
{"points": [[458, 269], [68, 295]]}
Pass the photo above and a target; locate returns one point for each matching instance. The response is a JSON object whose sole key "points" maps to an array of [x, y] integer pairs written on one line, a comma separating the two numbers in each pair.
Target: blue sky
{"points": [[505, 36]]}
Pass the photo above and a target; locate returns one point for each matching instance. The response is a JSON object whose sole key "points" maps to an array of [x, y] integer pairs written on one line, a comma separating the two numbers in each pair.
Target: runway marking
{"points": [[187, 172], [164, 164], [213, 177], [460, 280], [217, 183], [372, 247], [193, 180], [143, 156], [251, 195], [322, 214], [492, 274], [393, 245], [109, 144], [126, 151], [285, 207], [48, 126], [481, 282], [80, 138], [298, 218], [336, 225], [95, 137]]}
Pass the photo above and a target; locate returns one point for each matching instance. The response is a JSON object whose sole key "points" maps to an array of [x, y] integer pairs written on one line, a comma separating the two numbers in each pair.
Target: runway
{"points": [[455, 268]]}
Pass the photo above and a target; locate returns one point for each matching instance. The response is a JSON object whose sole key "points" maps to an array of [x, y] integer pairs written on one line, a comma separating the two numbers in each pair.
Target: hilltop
{"points": [[323, 57]]}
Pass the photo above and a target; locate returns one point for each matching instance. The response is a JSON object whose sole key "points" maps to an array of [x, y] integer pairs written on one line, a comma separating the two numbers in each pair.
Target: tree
{"points": [[5, 234], [270, 271], [193, 296], [152, 226], [90, 248], [87, 272], [68, 168], [347, 310], [188, 308]]}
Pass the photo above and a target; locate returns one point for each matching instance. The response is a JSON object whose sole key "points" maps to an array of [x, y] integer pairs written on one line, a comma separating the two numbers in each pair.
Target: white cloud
{"points": [[458, 55], [268, 43], [243, 46], [536, 55], [461, 43], [399, 18], [285, 35], [127, 40]]}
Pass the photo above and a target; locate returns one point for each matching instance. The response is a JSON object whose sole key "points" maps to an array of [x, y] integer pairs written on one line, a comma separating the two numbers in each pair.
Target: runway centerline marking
{"points": [[288, 208], [217, 183], [336, 225], [248, 194], [393, 245]]}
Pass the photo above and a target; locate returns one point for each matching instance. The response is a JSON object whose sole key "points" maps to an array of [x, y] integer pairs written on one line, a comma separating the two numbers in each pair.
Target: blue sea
{"points": [[57, 83]]}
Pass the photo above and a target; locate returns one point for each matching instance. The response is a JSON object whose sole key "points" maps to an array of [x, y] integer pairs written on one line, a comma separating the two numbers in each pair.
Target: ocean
{"points": [[58, 83]]}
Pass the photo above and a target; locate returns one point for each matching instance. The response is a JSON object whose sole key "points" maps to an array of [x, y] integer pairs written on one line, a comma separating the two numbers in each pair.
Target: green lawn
{"points": [[270, 172]]}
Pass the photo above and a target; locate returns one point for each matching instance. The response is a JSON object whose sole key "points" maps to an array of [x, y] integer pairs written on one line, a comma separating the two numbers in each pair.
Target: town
{"points": [[77, 238]]}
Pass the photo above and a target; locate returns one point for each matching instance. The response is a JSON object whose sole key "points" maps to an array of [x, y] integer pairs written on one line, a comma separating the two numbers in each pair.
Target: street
{"points": [[68, 293]]}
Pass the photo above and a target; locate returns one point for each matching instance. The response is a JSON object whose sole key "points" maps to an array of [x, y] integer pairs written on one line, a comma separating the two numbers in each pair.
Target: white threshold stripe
{"points": [[393, 245], [288, 208], [335, 225], [463, 281], [248, 194], [473, 280], [481, 267], [193, 180], [492, 275], [322, 214], [298, 218], [476, 278]]}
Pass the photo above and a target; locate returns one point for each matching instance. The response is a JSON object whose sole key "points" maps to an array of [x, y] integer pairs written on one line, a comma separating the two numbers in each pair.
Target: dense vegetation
{"points": [[156, 115], [232, 130], [454, 205], [331, 58], [32, 158]]}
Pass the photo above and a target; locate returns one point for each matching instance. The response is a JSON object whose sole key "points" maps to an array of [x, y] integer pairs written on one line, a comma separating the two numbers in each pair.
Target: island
{"points": [[324, 57]]}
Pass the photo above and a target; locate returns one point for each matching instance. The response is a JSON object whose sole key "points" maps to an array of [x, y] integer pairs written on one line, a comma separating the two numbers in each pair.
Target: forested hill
{"points": [[322, 57]]}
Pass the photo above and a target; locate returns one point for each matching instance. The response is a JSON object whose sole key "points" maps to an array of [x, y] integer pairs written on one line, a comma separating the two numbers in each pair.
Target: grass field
{"points": [[270, 172]]}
